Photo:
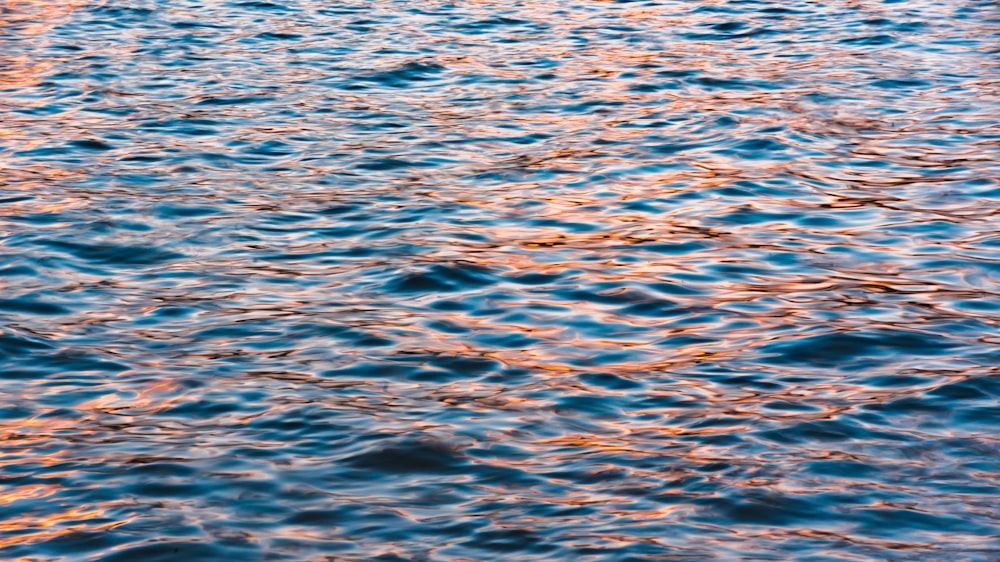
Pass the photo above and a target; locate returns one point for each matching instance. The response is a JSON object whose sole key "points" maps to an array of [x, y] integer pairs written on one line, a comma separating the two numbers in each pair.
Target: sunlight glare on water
{"points": [[483, 280]]}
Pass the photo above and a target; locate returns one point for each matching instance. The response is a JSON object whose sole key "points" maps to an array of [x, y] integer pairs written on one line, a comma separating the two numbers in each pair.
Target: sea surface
{"points": [[499, 280]]}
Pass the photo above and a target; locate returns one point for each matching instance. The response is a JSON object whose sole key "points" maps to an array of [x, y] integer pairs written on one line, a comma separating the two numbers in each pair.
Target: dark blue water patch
{"points": [[736, 84], [31, 306], [183, 211], [786, 406], [755, 148], [900, 83], [15, 412], [536, 278], [972, 389], [142, 158], [839, 348], [729, 26], [676, 73], [900, 381], [335, 210], [677, 148], [654, 308], [982, 416], [271, 148], [764, 508], [384, 370], [13, 345], [189, 24], [384, 164], [826, 431], [751, 382], [464, 366], [609, 381], [168, 550], [588, 405], [71, 360], [729, 31], [844, 469], [443, 278], [202, 409], [311, 422], [485, 25], [563, 225], [868, 40], [899, 522], [322, 518], [233, 100], [651, 87], [679, 289], [748, 215], [405, 74], [410, 456], [278, 36], [263, 6], [72, 542], [116, 254], [448, 327], [509, 540]]}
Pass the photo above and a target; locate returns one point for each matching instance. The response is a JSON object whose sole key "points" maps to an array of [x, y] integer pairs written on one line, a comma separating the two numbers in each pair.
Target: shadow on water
{"points": [[417, 280]]}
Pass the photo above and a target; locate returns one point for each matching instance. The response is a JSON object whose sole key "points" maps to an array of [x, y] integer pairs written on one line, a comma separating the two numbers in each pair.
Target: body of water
{"points": [[488, 280]]}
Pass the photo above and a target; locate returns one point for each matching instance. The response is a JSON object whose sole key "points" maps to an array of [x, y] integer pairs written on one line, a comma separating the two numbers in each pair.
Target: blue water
{"points": [[538, 280]]}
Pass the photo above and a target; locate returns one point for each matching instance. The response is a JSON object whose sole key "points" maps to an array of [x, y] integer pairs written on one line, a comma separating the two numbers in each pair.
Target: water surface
{"points": [[484, 280]]}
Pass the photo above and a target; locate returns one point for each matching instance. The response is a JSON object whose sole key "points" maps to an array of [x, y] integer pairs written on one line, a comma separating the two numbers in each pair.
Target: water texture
{"points": [[492, 280]]}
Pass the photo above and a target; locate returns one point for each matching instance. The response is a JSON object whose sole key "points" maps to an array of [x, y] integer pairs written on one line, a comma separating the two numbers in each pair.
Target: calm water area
{"points": [[499, 280]]}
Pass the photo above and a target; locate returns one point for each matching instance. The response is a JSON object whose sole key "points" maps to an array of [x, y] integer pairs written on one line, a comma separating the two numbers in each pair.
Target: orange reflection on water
{"points": [[34, 530], [28, 19], [35, 17], [651, 263]]}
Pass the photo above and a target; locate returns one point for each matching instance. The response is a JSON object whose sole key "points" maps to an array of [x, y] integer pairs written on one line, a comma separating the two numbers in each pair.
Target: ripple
{"points": [[537, 281]]}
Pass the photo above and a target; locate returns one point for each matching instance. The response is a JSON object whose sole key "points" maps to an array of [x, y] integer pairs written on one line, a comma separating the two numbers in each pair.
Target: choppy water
{"points": [[492, 280]]}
